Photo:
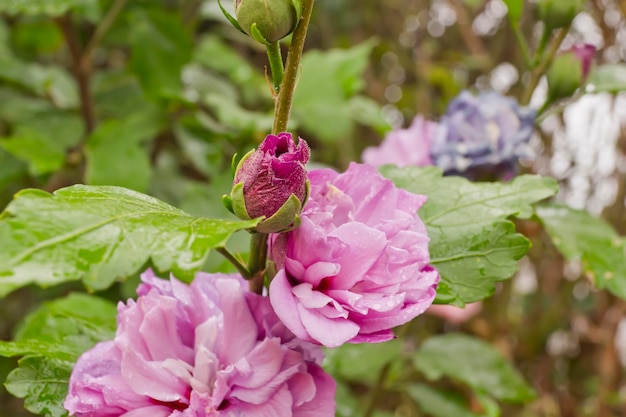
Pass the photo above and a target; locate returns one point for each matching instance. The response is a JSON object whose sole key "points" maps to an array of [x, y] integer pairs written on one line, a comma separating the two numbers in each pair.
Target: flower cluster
{"points": [[206, 349], [356, 267]]}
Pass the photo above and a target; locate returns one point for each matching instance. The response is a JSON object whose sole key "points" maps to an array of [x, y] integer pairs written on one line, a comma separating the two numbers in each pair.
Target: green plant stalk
{"points": [[241, 268], [521, 41], [543, 65], [258, 262], [276, 65], [284, 100]]}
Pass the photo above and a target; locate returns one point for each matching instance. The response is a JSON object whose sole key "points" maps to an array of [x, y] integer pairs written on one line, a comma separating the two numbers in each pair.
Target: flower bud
{"points": [[569, 71], [271, 181], [556, 14], [271, 19]]}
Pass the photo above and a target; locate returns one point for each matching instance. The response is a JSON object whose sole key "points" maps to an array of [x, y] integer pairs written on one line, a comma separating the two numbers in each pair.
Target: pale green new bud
{"points": [[271, 19], [556, 14]]}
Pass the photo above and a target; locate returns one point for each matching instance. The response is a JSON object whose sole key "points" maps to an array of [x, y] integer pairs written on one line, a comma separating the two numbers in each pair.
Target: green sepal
{"points": [[230, 18], [233, 164], [257, 36], [237, 202], [228, 203], [242, 160], [297, 4], [286, 218]]}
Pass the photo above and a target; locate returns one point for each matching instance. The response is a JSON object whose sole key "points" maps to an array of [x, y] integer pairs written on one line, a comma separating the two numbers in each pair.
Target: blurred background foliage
{"points": [[158, 96]]}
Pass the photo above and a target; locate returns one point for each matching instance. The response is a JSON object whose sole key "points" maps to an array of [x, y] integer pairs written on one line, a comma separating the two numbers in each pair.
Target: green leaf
{"points": [[41, 139], [46, 7], [42, 383], [161, 45], [51, 339], [578, 235], [371, 357], [114, 152], [472, 244], [475, 363], [99, 235], [438, 403], [516, 9], [329, 79], [609, 78]]}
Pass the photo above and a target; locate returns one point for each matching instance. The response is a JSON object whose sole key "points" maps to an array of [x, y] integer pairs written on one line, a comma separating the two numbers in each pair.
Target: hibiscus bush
{"points": [[312, 208]]}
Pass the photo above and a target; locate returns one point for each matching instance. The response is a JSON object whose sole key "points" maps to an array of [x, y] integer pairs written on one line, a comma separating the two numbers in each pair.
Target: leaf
{"points": [[472, 244], [329, 79], [42, 383], [516, 9], [46, 7], [609, 78], [161, 45], [101, 234], [52, 338], [41, 139], [371, 357], [475, 363], [438, 403], [578, 235], [114, 152]]}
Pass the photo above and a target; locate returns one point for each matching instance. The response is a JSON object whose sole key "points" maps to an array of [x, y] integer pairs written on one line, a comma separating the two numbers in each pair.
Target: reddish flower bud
{"points": [[272, 182], [569, 71]]}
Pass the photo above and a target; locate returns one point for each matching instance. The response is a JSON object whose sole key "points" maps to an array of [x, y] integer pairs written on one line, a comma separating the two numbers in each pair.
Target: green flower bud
{"points": [[556, 14], [268, 21], [569, 71]]}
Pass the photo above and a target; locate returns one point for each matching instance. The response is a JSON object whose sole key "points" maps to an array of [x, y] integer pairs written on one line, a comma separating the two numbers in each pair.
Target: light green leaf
{"points": [[472, 244], [578, 235], [46, 7], [516, 9], [161, 45], [51, 339], [475, 363], [609, 78], [99, 235], [438, 403], [114, 152], [329, 79]]}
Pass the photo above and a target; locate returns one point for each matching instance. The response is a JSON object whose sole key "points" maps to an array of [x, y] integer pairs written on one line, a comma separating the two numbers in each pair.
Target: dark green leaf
{"points": [[578, 235], [475, 363], [42, 383], [371, 358], [114, 152], [438, 403], [52, 338], [161, 45], [46, 7], [99, 235], [472, 244], [609, 78]]}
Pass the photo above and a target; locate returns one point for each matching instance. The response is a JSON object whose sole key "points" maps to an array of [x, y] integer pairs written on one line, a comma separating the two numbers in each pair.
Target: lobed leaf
{"points": [[579, 235], [438, 403], [99, 235], [472, 243], [45, 7]]}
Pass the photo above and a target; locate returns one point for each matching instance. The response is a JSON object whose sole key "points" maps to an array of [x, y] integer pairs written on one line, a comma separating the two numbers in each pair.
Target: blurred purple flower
{"points": [[483, 137], [404, 147], [359, 263], [272, 173], [206, 349]]}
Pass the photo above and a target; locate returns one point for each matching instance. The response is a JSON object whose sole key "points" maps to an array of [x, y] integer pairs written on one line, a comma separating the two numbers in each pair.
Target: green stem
{"points": [[276, 64], [521, 41], [543, 42], [380, 383], [235, 262], [103, 28], [284, 99], [258, 261], [543, 65]]}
